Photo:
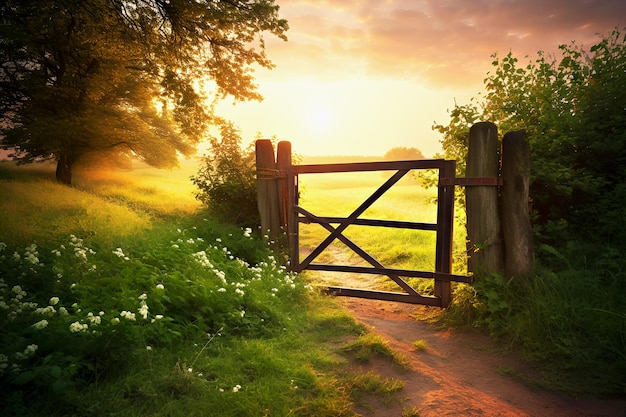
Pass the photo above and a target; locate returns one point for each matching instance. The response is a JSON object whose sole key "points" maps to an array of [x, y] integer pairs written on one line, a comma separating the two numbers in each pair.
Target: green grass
{"points": [[420, 345], [218, 326], [340, 194], [368, 345]]}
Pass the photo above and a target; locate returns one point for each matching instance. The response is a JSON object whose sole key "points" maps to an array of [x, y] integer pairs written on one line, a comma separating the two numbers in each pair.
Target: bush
{"points": [[227, 180]]}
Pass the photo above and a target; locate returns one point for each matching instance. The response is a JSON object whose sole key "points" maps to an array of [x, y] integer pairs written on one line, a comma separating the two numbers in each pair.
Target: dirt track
{"points": [[460, 374]]}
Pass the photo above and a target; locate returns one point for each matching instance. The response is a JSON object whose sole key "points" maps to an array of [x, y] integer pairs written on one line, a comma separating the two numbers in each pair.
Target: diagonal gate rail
{"points": [[336, 226]]}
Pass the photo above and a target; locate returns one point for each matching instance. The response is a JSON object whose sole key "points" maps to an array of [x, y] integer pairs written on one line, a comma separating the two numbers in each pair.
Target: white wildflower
{"points": [[78, 327], [143, 310], [160, 286], [46, 311], [54, 301], [128, 315], [95, 320], [40, 324], [30, 350]]}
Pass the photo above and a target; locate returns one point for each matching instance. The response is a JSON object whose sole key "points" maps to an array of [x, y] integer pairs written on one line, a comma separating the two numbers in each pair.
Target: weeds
{"points": [[420, 345], [369, 344]]}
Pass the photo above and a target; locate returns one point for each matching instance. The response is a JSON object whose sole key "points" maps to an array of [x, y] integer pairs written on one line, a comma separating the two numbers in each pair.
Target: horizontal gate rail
{"points": [[386, 296], [441, 276], [371, 222], [368, 166]]}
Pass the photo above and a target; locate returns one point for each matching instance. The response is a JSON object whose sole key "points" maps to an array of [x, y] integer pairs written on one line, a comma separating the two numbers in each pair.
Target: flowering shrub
{"points": [[71, 315]]}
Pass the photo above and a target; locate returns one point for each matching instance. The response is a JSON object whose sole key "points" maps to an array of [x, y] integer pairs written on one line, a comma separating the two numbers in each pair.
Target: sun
{"points": [[320, 118]]}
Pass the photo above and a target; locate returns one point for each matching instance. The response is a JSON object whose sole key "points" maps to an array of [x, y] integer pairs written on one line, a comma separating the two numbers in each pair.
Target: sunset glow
{"points": [[357, 78]]}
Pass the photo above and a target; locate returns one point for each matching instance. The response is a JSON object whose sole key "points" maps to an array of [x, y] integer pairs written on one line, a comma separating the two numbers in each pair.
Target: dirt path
{"points": [[460, 374]]}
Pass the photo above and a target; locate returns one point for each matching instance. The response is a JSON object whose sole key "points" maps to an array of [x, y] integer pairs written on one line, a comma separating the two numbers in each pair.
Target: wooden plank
{"points": [[385, 296], [441, 276], [371, 222], [368, 166]]}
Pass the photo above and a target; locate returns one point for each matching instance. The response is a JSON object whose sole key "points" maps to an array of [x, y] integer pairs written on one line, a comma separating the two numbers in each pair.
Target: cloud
{"points": [[441, 42]]}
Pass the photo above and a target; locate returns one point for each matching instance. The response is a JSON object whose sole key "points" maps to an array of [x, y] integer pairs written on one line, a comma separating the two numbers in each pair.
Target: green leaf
{"points": [[24, 378]]}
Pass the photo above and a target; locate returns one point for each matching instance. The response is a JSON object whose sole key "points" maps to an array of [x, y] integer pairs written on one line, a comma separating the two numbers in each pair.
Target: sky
{"points": [[359, 77]]}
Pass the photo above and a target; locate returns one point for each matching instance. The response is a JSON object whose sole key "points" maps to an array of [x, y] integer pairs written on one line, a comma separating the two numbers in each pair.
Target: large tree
{"points": [[573, 109], [123, 78]]}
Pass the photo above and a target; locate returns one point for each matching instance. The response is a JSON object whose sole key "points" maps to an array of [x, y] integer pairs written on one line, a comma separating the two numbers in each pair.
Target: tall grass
{"points": [[118, 297]]}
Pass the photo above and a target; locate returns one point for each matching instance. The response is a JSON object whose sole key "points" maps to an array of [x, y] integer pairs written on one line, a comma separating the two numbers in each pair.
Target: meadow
{"points": [[337, 195], [119, 296]]}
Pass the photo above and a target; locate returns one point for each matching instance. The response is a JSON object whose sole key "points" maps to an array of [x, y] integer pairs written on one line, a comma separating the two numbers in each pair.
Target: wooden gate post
{"points": [[445, 222], [483, 219], [516, 227], [267, 188], [283, 163]]}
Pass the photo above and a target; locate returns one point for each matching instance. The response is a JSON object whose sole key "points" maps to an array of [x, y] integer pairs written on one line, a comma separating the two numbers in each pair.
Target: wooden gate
{"points": [[336, 226], [500, 236]]}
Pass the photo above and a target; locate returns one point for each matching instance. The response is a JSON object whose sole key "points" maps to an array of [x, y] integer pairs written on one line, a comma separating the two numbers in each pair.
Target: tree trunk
{"points": [[64, 169]]}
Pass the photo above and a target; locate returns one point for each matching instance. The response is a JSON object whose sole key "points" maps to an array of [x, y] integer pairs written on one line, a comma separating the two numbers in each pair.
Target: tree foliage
{"points": [[123, 78], [572, 108]]}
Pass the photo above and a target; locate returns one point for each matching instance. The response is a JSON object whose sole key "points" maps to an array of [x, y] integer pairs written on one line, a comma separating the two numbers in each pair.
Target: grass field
{"points": [[340, 194], [120, 297]]}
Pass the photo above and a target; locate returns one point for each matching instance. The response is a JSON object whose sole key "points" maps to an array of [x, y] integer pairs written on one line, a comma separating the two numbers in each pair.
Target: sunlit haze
{"points": [[361, 77]]}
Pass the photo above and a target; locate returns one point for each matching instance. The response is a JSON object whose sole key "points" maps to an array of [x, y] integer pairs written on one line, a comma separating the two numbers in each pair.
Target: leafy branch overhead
{"points": [[112, 79]]}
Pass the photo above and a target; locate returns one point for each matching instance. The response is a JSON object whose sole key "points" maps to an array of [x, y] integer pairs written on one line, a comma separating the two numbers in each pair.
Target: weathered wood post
{"points": [[516, 227], [283, 163], [483, 219], [267, 188], [445, 222]]}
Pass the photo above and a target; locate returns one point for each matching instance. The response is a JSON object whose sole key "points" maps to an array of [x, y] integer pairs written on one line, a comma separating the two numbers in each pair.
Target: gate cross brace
{"points": [[356, 213], [362, 253]]}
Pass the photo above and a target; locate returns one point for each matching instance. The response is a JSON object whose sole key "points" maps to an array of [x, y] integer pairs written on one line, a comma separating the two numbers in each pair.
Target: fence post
{"points": [[483, 219], [516, 227], [267, 189], [283, 163], [445, 221]]}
